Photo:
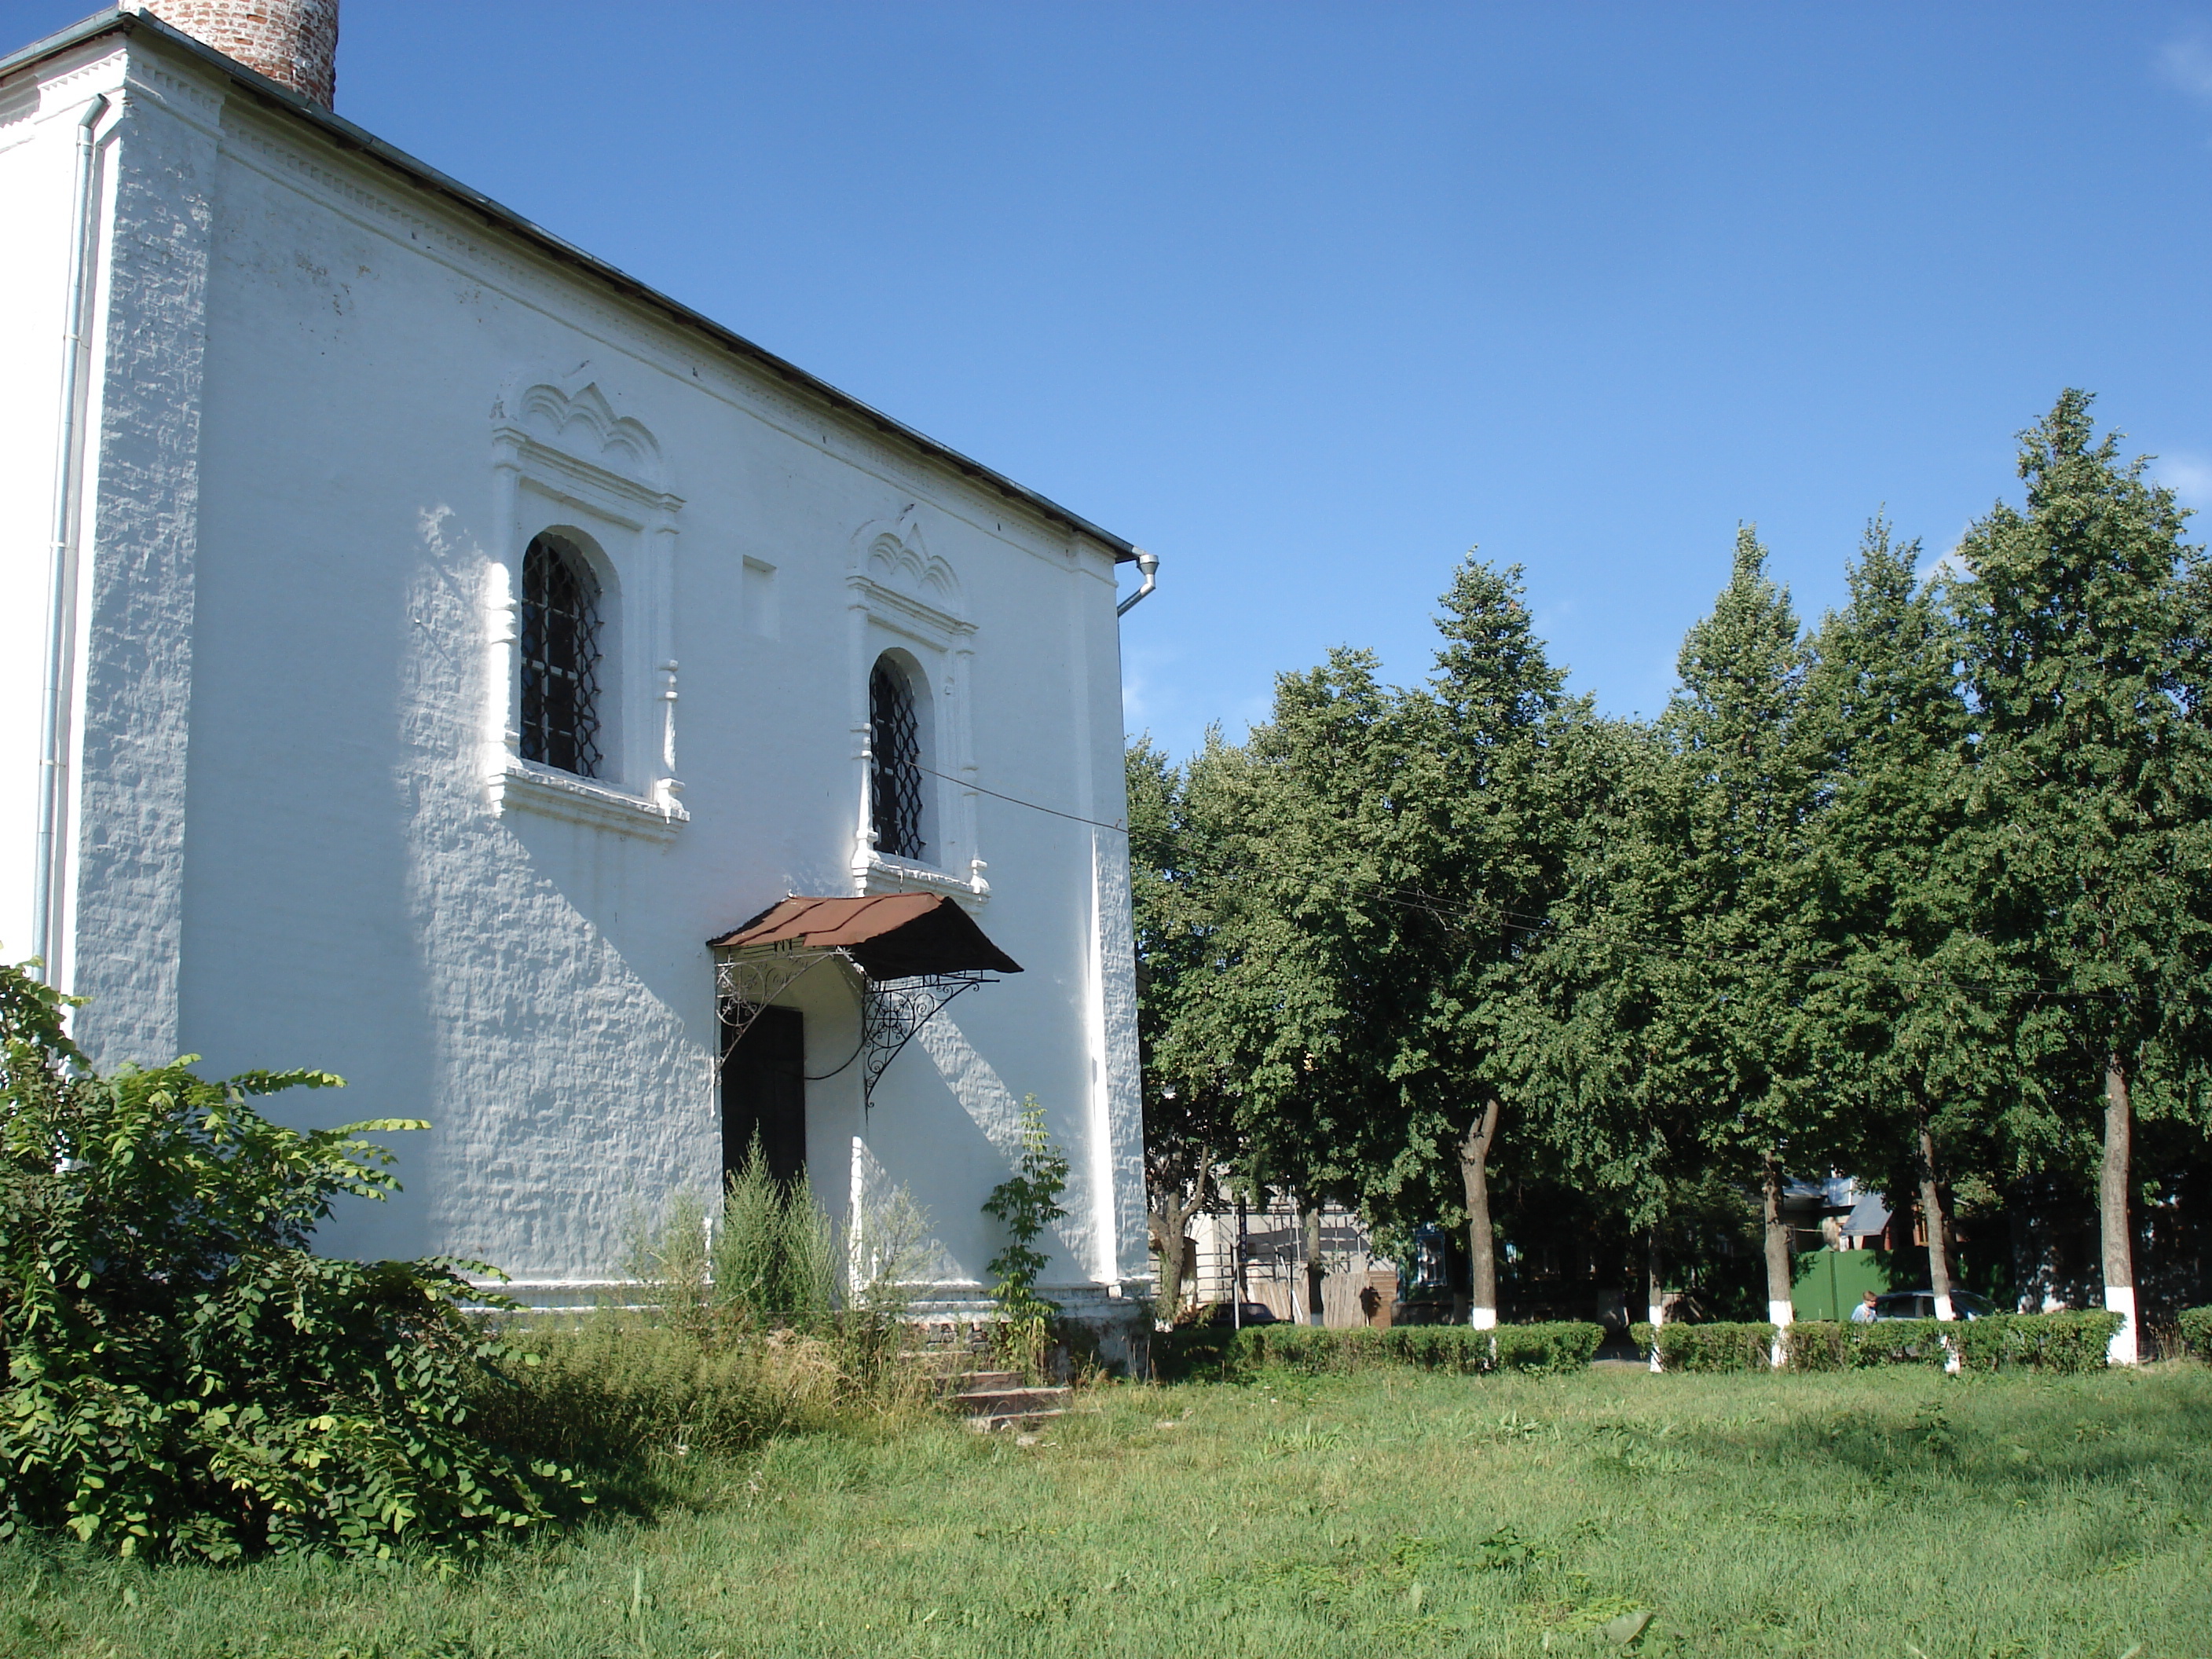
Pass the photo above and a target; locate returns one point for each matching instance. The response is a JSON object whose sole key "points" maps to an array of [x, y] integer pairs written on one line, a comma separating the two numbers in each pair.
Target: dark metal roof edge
{"points": [[346, 134]]}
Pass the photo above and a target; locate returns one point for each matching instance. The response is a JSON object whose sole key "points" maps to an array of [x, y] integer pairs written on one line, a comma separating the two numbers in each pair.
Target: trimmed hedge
{"points": [[1723, 1346], [2063, 1341], [2196, 1331], [1827, 1344], [1458, 1349], [2069, 1342]]}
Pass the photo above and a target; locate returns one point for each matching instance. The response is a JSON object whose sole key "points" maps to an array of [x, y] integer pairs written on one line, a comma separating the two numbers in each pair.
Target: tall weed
{"points": [[760, 1318], [775, 1258]]}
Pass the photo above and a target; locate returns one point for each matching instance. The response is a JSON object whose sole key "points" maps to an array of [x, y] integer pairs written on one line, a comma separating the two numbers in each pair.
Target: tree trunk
{"points": [[1168, 1240], [1168, 1216], [1240, 1282], [1655, 1287], [1482, 1241], [1778, 1305], [1938, 1223], [2113, 1211], [2045, 1270], [1314, 1270]]}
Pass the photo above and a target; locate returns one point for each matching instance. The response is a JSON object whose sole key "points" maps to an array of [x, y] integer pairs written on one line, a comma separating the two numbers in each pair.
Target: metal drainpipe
{"points": [[1149, 564], [53, 761]]}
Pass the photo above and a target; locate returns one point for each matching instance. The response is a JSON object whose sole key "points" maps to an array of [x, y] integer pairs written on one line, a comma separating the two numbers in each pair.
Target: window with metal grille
{"points": [[560, 659], [895, 741]]}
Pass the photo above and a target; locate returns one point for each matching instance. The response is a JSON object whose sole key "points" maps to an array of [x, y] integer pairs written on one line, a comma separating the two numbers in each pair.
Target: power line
{"points": [[1523, 922], [1072, 817]]}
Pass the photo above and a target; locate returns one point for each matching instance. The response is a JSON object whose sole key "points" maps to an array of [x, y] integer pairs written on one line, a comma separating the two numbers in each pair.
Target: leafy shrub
{"points": [[2063, 1342], [1027, 1201], [1319, 1352], [2196, 1331], [774, 1259], [766, 1259], [1454, 1348], [1562, 1345], [186, 1379], [1819, 1345]]}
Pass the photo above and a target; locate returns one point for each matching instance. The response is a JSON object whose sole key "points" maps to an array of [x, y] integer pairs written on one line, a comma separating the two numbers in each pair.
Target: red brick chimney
{"points": [[293, 42]]}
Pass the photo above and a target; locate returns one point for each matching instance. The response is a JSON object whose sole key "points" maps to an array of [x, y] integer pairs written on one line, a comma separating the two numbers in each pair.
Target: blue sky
{"points": [[1308, 298]]}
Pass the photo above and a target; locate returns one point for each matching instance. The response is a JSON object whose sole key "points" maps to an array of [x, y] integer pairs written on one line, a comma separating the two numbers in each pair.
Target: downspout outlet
{"points": [[1149, 565]]}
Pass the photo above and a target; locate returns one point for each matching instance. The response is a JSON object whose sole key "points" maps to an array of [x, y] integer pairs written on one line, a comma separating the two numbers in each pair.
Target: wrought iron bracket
{"points": [[747, 982], [893, 1010]]}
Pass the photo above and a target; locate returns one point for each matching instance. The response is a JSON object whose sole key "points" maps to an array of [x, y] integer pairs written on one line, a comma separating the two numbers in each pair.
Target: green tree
{"points": [[1188, 1119], [1026, 1202], [1320, 986], [1481, 754], [1279, 939], [1593, 1038], [2085, 836], [1894, 1014], [1747, 790]]}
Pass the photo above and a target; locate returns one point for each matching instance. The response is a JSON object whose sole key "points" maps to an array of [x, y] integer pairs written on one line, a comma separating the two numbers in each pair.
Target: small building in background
{"points": [[1358, 1286]]}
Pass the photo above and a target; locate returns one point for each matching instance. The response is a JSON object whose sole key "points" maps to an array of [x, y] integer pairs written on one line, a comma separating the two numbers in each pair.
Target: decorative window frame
{"points": [[562, 458], [902, 598]]}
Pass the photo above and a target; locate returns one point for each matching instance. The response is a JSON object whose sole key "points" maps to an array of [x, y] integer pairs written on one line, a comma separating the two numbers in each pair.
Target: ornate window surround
{"points": [[902, 598], [562, 458]]}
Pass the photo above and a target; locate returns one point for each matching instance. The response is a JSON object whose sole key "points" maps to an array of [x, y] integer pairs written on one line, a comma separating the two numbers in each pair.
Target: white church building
{"points": [[429, 654]]}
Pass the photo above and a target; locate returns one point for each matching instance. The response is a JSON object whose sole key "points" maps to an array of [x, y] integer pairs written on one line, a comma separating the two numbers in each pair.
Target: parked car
{"points": [[1921, 1304], [1247, 1313]]}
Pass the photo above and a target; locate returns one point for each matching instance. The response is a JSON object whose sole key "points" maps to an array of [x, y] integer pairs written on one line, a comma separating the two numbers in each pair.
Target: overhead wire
{"points": [[1525, 922], [1034, 806]]}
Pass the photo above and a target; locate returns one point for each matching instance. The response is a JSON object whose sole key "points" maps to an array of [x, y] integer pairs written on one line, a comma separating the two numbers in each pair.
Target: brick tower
{"points": [[292, 42]]}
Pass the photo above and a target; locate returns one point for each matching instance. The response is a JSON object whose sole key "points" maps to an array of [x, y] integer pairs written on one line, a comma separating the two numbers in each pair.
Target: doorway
{"points": [[764, 1093]]}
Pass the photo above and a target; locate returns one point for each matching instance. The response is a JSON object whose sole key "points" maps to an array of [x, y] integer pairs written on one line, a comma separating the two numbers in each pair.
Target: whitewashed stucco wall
{"points": [[289, 697]]}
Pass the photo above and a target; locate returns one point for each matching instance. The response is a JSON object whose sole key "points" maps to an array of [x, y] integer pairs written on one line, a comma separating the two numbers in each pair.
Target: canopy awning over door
{"points": [[886, 936], [910, 953]]}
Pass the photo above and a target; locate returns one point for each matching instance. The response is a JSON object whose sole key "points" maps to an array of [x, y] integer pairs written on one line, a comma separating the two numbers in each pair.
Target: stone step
{"points": [[1009, 1401], [992, 1424], [959, 1382], [943, 1362]]}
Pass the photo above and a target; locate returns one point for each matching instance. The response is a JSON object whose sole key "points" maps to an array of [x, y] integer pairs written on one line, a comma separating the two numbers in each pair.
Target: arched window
{"points": [[895, 741], [560, 659]]}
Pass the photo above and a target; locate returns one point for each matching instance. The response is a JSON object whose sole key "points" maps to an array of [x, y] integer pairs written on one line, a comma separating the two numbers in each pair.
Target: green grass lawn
{"points": [[1889, 1513]]}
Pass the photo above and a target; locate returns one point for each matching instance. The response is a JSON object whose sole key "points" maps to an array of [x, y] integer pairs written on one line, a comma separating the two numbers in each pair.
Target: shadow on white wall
{"points": [[993, 1108]]}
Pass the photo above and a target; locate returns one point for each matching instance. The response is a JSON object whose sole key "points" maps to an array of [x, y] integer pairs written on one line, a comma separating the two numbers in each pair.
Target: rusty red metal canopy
{"points": [[889, 935]]}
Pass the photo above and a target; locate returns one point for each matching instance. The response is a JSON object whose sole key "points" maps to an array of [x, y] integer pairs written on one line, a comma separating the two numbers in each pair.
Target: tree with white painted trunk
{"points": [[1900, 1035], [1310, 1245], [1492, 737], [1599, 1026], [1735, 900], [2085, 838]]}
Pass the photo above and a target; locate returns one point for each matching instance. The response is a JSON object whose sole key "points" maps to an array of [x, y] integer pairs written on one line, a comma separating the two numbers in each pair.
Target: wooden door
{"points": [[764, 1094]]}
